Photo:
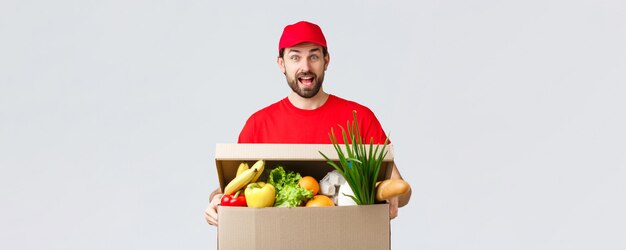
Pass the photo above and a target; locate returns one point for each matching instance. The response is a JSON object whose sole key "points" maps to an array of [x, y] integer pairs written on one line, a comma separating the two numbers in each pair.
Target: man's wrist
{"points": [[215, 192]]}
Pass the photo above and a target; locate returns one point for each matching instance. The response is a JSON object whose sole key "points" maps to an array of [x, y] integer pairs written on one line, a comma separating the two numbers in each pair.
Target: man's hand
{"points": [[393, 207], [210, 214]]}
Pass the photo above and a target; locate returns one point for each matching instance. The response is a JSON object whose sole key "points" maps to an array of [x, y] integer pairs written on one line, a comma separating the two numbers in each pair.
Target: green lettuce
{"points": [[288, 192]]}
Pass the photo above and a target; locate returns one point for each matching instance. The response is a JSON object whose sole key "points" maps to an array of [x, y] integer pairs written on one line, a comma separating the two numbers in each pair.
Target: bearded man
{"points": [[308, 114]]}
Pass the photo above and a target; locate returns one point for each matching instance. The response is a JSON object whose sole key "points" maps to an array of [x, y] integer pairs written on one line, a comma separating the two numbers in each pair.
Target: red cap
{"points": [[301, 32]]}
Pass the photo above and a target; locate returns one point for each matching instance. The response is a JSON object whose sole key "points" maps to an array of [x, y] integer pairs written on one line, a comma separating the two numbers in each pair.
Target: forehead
{"points": [[304, 47]]}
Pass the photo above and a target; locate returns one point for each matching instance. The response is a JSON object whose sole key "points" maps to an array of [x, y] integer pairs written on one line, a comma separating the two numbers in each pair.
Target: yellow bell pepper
{"points": [[260, 194]]}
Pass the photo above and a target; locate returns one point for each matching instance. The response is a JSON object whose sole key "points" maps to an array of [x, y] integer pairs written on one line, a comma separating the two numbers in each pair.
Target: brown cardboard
{"points": [[345, 227]]}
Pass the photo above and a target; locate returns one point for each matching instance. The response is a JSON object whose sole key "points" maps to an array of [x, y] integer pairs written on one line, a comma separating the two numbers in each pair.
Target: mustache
{"points": [[303, 74]]}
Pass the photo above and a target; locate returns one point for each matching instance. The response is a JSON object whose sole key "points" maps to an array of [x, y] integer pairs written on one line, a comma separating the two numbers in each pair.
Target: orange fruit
{"points": [[320, 201], [309, 183]]}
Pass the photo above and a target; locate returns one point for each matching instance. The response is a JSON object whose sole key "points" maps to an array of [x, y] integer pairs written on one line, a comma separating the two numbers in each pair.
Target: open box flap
{"points": [[302, 158]]}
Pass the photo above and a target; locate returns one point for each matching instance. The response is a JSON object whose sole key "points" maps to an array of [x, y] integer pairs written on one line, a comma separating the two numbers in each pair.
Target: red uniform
{"points": [[282, 122]]}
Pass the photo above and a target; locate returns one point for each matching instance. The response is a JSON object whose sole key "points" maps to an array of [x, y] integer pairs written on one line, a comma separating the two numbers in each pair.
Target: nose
{"points": [[305, 65]]}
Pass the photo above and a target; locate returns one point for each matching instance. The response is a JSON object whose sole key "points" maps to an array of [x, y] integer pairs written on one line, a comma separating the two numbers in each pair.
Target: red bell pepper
{"points": [[234, 200]]}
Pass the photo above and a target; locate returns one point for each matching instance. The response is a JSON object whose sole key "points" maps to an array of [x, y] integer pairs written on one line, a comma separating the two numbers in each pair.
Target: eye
{"points": [[315, 57], [295, 58]]}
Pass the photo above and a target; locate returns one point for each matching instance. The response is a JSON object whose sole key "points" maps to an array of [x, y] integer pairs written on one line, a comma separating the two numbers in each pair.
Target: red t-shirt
{"points": [[282, 122]]}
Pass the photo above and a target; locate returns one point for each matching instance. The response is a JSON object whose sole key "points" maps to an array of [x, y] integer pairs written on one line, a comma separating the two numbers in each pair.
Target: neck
{"points": [[308, 103]]}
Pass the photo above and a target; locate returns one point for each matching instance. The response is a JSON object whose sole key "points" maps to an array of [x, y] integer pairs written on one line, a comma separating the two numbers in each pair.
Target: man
{"points": [[308, 113]]}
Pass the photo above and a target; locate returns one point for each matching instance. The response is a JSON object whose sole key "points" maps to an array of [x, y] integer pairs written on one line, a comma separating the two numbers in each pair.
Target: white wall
{"points": [[507, 116]]}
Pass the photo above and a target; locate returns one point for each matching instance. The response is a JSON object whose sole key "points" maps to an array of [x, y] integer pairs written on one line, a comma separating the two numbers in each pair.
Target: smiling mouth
{"points": [[307, 81]]}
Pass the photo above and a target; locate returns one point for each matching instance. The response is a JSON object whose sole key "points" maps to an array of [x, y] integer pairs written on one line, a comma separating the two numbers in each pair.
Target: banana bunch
{"points": [[245, 176]]}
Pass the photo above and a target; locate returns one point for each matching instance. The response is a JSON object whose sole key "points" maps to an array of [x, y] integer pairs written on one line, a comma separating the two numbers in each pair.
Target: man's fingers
{"points": [[393, 213], [393, 208], [210, 214], [209, 219]]}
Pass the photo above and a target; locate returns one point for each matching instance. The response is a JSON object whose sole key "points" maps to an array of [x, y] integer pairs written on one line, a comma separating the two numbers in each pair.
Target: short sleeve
{"points": [[373, 129], [247, 133]]}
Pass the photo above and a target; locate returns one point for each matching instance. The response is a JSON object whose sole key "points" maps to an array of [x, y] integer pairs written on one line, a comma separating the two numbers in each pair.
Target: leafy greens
{"points": [[288, 192]]}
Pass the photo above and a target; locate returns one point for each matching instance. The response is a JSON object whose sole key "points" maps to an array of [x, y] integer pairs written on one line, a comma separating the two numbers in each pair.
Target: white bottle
{"points": [[342, 199]]}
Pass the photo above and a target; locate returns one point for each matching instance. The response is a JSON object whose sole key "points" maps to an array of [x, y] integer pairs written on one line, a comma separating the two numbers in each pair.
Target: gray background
{"points": [[507, 116]]}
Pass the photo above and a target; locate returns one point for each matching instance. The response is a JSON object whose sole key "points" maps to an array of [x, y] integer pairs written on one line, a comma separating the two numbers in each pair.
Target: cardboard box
{"points": [[345, 227]]}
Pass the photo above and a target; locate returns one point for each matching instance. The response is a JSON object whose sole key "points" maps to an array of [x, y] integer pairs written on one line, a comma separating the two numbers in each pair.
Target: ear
{"points": [[326, 61], [281, 64]]}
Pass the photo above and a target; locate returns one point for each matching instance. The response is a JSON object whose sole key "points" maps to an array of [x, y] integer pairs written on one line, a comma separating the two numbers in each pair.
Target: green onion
{"points": [[360, 165]]}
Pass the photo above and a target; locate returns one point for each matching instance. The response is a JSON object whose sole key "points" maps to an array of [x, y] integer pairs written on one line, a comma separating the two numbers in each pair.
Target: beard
{"points": [[306, 92]]}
